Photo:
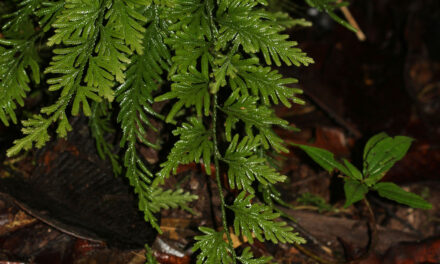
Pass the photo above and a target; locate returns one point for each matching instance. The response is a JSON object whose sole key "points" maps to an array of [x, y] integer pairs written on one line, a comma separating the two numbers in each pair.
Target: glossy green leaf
{"points": [[324, 158], [393, 192], [353, 171], [382, 153], [372, 143], [354, 191]]}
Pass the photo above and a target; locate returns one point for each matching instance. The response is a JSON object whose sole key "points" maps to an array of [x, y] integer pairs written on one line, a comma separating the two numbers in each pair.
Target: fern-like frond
{"points": [[191, 89], [135, 97], [16, 57], [329, 6], [245, 108], [48, 13], [192, 34], [35, 130], [191, 14], [126, 21], [247, 76], [245, 166], [284, 20], [189, 46], [194, 143], [166, 199], [94, 50], [139, 177], [241, 22], [258, 219], [213, 249], [21, 21], [247, 257], [100, 126]]}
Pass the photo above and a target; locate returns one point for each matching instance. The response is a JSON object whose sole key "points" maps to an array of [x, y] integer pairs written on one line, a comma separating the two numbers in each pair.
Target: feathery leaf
{"points": [[258, 219], [213, 249], [246, 167]]}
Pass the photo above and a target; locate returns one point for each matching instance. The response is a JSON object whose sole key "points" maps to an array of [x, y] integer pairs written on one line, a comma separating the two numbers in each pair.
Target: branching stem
{"points": [[217, 156]]}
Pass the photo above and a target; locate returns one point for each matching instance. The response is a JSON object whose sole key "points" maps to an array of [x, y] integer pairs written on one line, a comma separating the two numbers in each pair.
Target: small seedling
{"points": [[380, 154]]}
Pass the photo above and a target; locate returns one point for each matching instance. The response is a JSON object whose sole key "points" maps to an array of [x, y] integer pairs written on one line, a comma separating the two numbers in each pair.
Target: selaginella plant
{"points": [[210, 60]]}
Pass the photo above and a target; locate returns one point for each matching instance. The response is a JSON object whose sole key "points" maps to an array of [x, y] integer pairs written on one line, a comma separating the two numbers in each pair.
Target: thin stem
{"points": [[217, 176], [373, 229]]}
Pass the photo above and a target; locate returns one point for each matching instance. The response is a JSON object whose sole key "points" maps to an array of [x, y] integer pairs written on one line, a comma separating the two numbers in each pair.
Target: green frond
{"points": [[188, 46], [329, 7], [126, 22], [135, 100], [245, 166], [76, 28], [213, 249], [77, 21], [192, 34], [191, 15], [35, 130], [21, 21], [249, 77], [17, 57], [283, 19], [166, 199], [135, 107], [194, 143], [258, 219], [191, 89], [48, 13], [247, 26], [100, 126], [139, 177], [95, 46], [245, 108], [247, 257], [149, 256]]}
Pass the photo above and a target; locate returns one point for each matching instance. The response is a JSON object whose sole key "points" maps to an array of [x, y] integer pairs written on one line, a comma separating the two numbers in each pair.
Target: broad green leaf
{"points": [[372, 143], [354, 191], [354, 172], [324, 158], [393, 192], [383, 155]]}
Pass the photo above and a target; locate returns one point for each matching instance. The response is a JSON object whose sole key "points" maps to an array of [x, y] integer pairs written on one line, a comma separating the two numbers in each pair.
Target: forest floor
{"points": [[390, 82]]}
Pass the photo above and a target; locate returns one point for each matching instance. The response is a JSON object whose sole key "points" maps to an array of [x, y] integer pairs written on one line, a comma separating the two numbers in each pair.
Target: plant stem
{"points": [[373, 229], [217, 176]]}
